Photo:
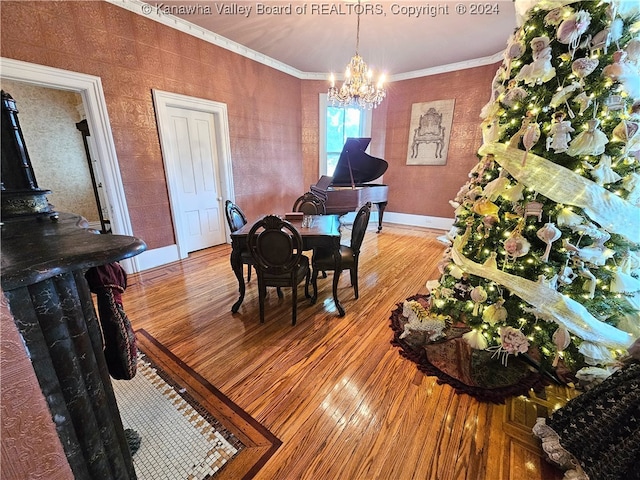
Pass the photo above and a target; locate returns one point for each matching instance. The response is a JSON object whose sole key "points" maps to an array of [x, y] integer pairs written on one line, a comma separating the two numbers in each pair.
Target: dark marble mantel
{"points": [[42, 276]]}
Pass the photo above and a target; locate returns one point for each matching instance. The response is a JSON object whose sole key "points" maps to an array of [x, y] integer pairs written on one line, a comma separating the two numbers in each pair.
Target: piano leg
{"points": [[381, 207]]}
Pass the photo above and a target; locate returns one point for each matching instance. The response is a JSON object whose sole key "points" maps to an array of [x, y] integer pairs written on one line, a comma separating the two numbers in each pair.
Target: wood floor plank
{"points": [[343, 401]]}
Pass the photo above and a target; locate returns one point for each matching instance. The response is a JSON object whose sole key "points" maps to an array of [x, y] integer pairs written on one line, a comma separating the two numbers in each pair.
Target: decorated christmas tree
{"points": [[543, 260]]}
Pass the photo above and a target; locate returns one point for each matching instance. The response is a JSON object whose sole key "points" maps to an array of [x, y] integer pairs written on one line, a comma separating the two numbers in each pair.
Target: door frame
{"points": [[162, 101], [90, 89]]}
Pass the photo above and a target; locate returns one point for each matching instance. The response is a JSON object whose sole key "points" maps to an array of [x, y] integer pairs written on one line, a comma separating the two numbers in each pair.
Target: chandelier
{"points": [[358, 89]]}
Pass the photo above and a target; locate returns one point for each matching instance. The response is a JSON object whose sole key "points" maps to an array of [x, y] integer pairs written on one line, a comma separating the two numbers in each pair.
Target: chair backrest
{"points": [[235, 217], [310, 204], [275, 245], [360, 227]]}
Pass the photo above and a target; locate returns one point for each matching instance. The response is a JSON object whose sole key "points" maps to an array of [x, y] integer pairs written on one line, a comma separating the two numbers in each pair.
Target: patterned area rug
{"points": [[189, 430], [469, 371]]}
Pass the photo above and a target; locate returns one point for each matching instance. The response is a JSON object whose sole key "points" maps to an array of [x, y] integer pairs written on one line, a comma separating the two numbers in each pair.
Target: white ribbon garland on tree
{"points": [[550, 304], [612, 213]]}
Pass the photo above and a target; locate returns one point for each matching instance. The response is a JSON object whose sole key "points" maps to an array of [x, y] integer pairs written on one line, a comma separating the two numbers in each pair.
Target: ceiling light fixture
{"points": [[358, 89]]}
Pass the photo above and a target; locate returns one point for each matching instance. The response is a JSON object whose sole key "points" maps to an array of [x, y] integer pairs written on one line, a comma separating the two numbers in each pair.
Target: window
{"points": [[336, 125]]}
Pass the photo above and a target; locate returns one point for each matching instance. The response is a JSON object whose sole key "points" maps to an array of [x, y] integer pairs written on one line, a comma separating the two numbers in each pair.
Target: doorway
{"points": [[90, 89], [196, 150]]}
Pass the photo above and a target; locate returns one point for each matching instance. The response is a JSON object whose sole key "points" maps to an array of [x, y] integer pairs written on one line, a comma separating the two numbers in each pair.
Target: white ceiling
{"points": [[393, 43]]}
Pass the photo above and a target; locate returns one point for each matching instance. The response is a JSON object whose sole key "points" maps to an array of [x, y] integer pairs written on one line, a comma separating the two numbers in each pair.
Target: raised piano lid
{"points": [[355, 166]]}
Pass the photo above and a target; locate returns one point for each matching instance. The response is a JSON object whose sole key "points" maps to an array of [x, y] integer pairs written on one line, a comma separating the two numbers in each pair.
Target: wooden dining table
{"points": [[323, 231]]}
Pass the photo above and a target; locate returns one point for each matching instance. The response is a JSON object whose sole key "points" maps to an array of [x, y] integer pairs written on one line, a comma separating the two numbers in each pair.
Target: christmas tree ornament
{"points": [[540, 70], [567, 218], [516, 246], [584, 272], [604, 38], [533, 209], [548, 282], [495, 313], [566, 276], [562, 95], [484, 207], [491, 130], [514, 193], [548, 234], [603, 173], [475, 339], [572, 28], [583, 67], [491, 261], [628, 132], [559, 133], [515, 49], [589, 142], [420, 320], [614, 103], [622, 282], [625, 73], [496, 187], [556, 16], [487, 224], [513, 341], [462, 289], [561, 339], [514, 141], [597, 255], [530, 138], [492, 108], [513, 94], [583, 101], [478, 296]]}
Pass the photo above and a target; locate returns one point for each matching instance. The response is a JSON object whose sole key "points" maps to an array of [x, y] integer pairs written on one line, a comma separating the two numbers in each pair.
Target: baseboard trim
{"points": [[439, 223], [157, 257]]}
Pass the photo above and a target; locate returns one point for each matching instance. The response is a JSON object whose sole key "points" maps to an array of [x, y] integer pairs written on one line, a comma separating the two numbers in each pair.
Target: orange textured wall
{"points": [[426, 190], [133, 55]]}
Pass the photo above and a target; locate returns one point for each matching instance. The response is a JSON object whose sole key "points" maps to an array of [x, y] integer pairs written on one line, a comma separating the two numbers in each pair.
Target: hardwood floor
{"points": [[343, 401]]}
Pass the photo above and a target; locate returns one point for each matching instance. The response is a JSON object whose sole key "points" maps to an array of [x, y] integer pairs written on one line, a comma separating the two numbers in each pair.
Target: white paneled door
{"points": [[195, 164]]}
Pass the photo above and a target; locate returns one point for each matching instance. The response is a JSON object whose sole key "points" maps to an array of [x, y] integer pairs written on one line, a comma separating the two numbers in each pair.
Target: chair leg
{"points": [[280, 294], [353, 273], [307, 281], [314, 283], [294, 306], [262, 293], [248, 273]]}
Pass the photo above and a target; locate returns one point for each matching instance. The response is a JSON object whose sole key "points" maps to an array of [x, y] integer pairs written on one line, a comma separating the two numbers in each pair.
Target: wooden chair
{"points": [[276, 248], [236, 220], [323, 259], [310, 204]]}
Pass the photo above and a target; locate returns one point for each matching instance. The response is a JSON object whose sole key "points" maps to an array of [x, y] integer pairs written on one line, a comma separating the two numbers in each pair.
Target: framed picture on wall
{"points": [[429, 132]]}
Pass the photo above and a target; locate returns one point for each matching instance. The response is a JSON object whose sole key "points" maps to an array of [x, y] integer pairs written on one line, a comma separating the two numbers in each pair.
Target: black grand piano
{"points": [[347, 190]]}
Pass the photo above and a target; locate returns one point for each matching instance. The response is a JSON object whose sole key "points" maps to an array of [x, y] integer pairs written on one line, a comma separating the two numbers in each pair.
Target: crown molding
{"points": [[148, 11], [451, 67]]}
